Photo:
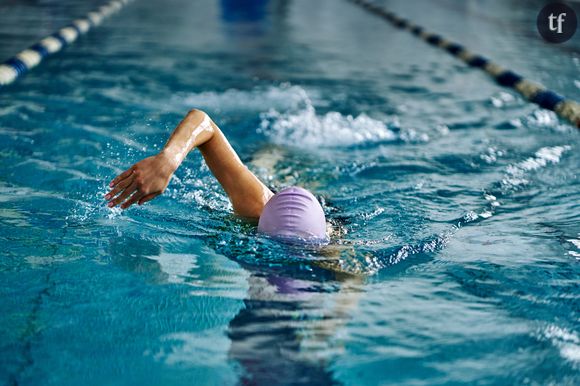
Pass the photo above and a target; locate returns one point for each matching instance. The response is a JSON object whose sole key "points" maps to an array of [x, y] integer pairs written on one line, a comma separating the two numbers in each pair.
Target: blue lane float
{"points": [[567, 109], [31, 57]]}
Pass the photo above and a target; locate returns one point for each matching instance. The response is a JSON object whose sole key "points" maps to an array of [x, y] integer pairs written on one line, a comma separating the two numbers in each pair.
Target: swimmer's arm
{"points": [[150, 177]]}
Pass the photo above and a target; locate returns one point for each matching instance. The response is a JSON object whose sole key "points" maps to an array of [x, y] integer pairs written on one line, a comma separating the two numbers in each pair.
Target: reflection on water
{"points": [[289, 327], [134, 255]]}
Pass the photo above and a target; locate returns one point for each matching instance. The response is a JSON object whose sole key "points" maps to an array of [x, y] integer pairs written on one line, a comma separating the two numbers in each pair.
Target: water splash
{"points": [[306, 128], [567, 342], [517, 174], [576, 244]]}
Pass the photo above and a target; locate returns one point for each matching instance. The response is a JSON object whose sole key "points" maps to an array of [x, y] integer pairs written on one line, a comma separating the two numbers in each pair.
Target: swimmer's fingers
{"points": [[118, 188], [121, 177], [148, 197], [133, 199], [121, 197]]}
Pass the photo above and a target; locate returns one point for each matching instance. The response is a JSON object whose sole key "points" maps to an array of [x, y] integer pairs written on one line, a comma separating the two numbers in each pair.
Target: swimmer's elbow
{"points": [[203, 119], [197, 113]]}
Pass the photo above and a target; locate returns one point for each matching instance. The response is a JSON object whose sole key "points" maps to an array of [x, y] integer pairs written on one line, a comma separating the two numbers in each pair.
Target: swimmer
{"points": [[291, 213]]}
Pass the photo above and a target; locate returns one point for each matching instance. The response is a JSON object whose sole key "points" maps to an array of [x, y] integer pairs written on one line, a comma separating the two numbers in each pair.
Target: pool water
{"points": [[456, 202]]}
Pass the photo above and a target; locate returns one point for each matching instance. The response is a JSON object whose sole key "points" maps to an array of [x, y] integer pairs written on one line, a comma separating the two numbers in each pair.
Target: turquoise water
{"points": [[457, 202]]}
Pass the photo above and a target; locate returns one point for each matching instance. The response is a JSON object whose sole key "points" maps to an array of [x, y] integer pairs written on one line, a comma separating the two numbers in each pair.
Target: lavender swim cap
{"points": [[293, 213]]}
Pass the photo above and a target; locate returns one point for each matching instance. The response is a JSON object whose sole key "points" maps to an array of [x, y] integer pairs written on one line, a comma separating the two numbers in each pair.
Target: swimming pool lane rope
{"points": [[24, 61], [565, 108]]}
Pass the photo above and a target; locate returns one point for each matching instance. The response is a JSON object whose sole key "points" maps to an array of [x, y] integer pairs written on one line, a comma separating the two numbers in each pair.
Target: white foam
{"points": [[516, 174], [372, 214], [214, 201], [544, 156], [576, 243], [307, 129], [491, 155], [485, 214], [503, 99], [543, 118], [567, 342]]}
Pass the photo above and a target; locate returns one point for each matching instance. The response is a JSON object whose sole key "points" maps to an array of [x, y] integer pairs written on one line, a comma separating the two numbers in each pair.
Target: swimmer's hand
{"points": [[149, 178], [142, 182]]}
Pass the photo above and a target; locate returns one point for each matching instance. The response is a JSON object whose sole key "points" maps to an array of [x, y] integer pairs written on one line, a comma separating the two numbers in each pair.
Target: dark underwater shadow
{"points": [[283, 335], [300, 299]]}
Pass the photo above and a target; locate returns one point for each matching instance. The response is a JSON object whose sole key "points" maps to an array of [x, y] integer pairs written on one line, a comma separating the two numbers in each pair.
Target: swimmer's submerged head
{"points": [[293, 213]]}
